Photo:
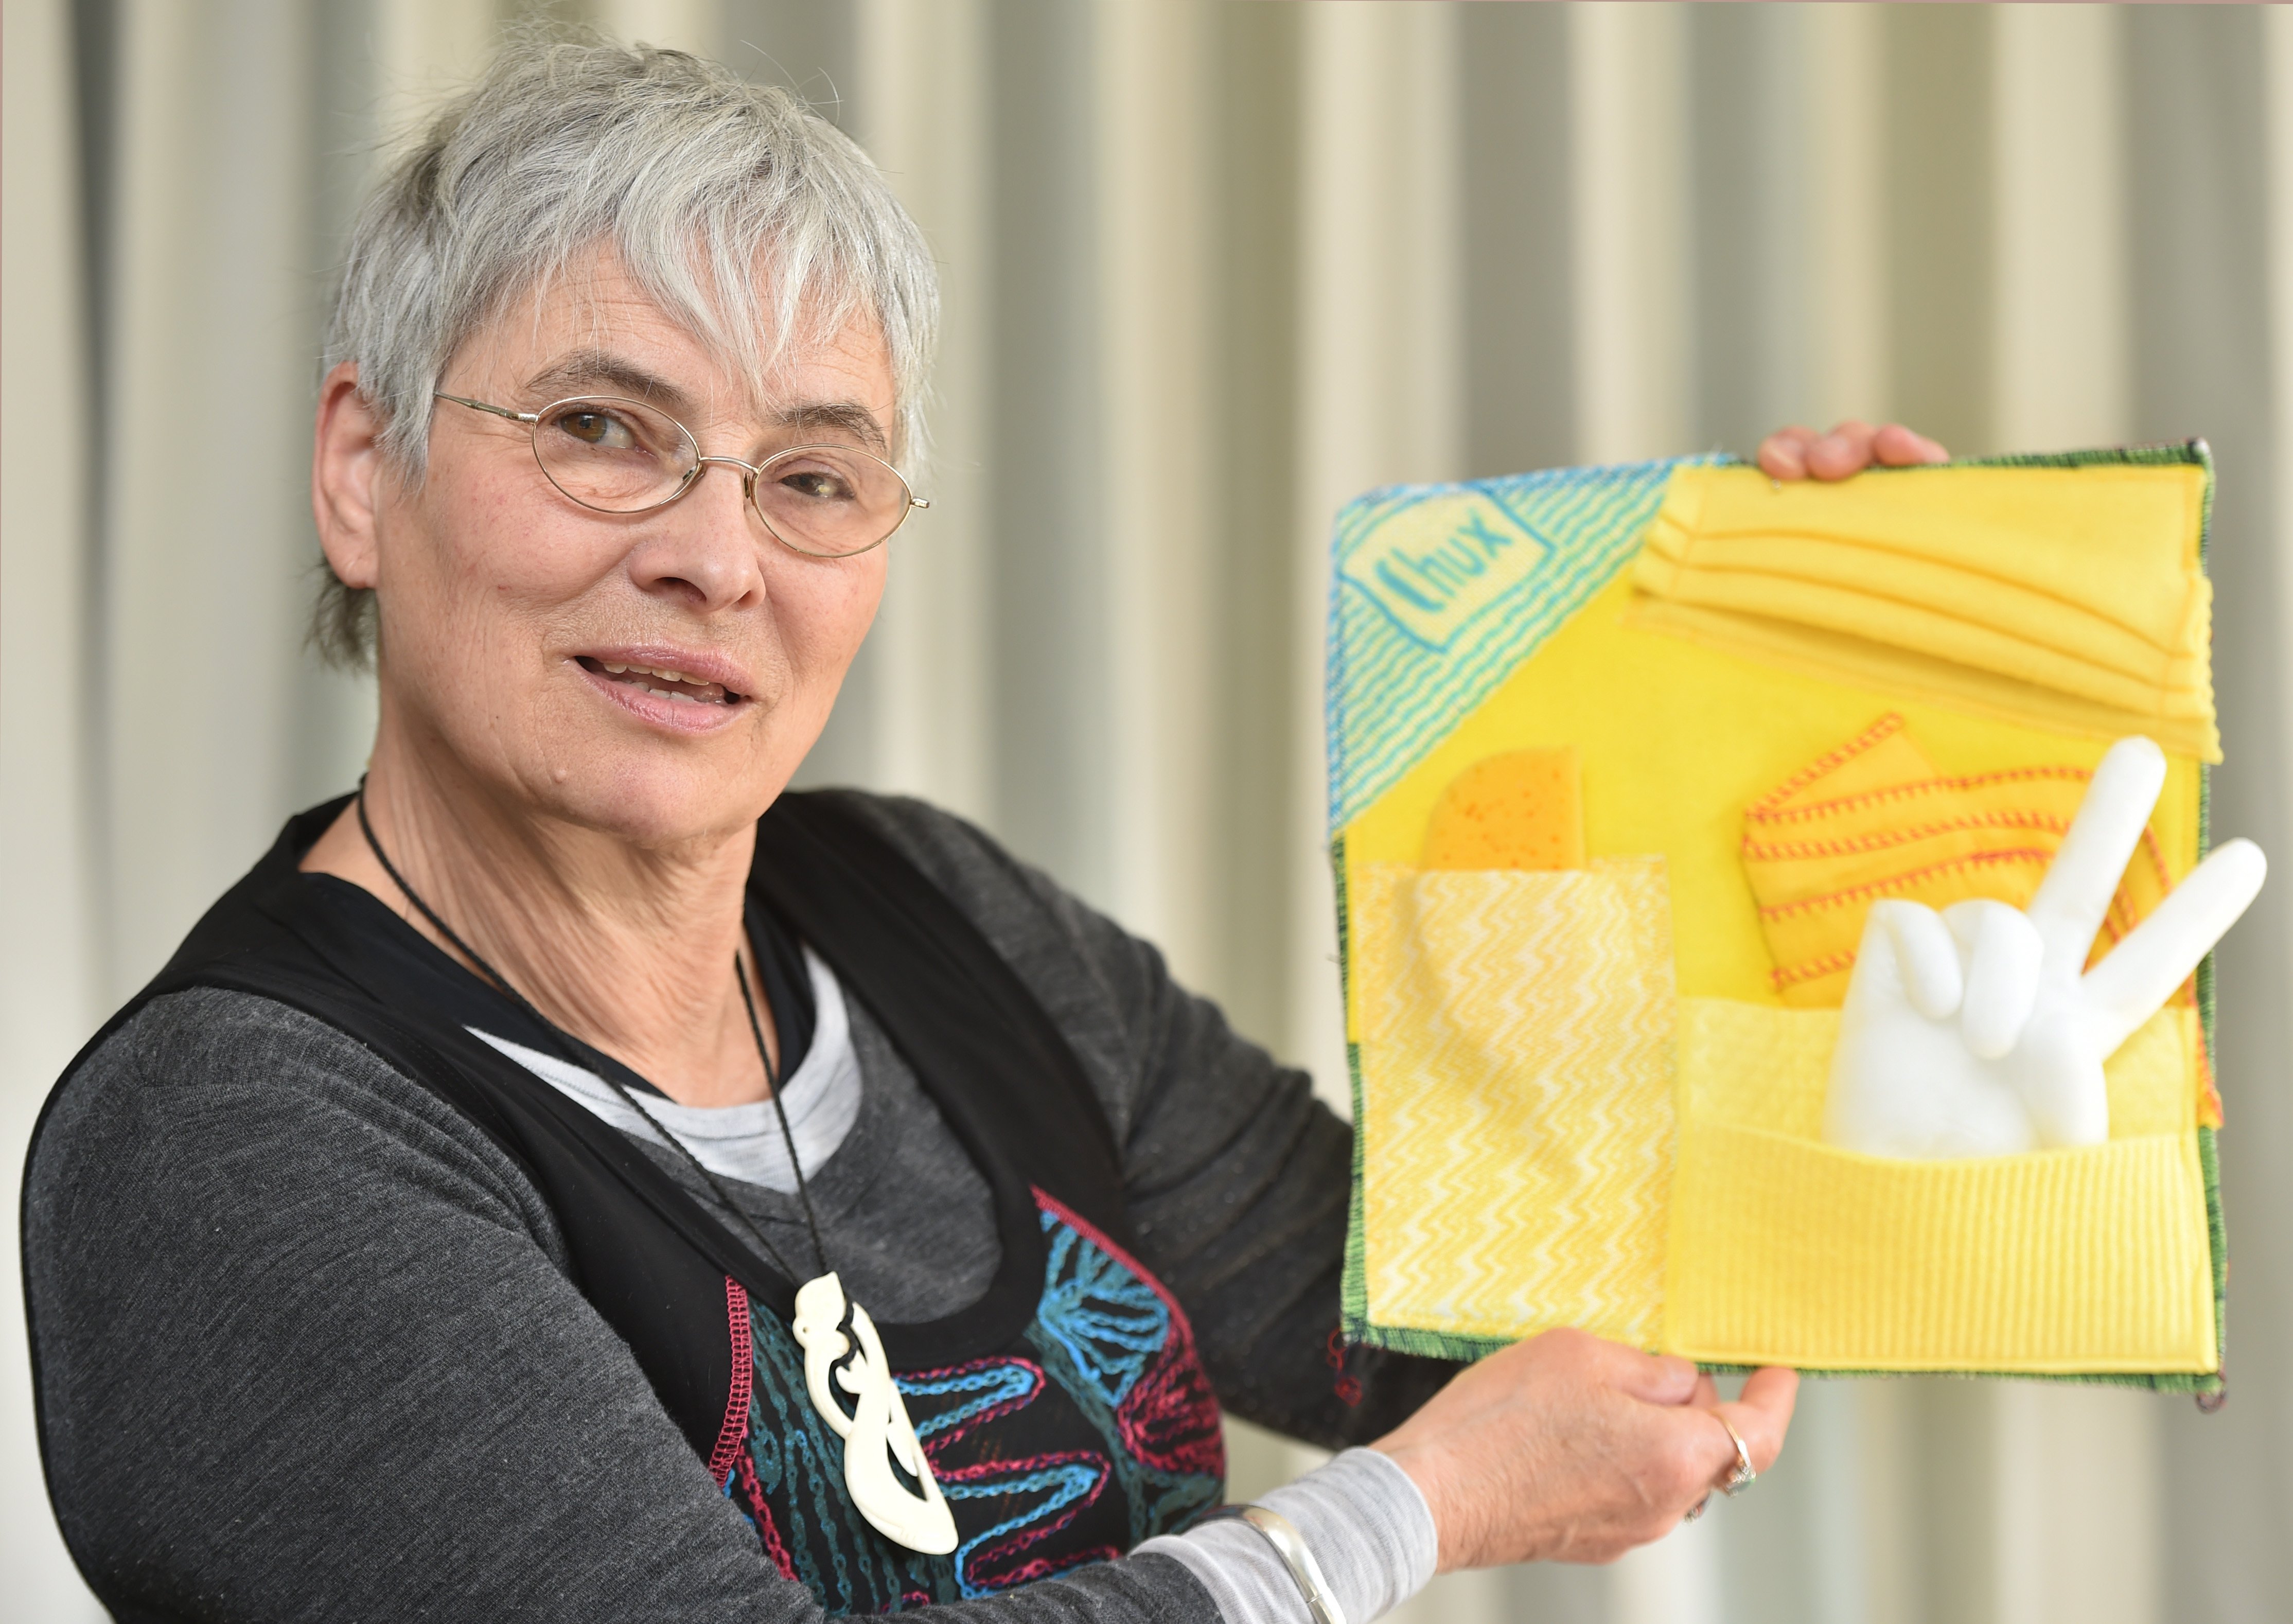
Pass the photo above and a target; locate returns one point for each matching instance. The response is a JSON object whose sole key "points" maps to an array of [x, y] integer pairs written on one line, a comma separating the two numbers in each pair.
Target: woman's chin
{"points": [[652, 805]]}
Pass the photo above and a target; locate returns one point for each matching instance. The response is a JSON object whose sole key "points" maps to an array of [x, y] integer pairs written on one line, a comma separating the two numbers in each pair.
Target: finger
{"points": [[1897, 447], [1783, 455], [2003, 956], [2076, 892], [1706, 1393], [1924, 955], [1845, 451], [1762, 1414], [2142, 972], [1653, 1378]]}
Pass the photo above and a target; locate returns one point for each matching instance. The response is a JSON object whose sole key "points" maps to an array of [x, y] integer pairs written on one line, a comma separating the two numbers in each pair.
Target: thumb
{"points": [[1762, 1414]]}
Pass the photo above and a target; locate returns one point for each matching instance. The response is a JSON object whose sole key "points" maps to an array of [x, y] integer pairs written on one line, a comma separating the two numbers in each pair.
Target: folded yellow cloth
{"points": [[2037, 594], [1873, 819]]}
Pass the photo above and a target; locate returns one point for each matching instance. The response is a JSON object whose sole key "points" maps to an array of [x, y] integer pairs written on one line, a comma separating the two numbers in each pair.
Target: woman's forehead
{"points": [[595, 331]]}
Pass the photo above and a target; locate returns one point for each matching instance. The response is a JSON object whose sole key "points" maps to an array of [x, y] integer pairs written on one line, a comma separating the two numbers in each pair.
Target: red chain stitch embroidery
{"points": [[1348, 1388], [734, 1433]]}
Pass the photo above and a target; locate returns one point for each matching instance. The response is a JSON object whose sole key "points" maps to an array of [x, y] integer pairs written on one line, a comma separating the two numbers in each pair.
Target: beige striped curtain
{"points": [[1211, 269]]}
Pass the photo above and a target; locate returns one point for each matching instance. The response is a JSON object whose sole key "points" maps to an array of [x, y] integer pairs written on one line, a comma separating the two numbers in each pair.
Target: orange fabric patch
{"points": [[1874, 818], [1523, 809]]}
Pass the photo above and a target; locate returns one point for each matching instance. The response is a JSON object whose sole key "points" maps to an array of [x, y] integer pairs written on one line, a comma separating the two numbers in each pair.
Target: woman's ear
{"points": [[347, 468]]}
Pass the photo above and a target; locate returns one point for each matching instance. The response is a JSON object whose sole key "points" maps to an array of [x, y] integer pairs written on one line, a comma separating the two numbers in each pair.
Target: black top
{"points": [[1223, 1186]]}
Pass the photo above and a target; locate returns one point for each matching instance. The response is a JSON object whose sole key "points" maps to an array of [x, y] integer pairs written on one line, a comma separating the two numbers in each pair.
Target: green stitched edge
{"points": [[1354, 1291]]}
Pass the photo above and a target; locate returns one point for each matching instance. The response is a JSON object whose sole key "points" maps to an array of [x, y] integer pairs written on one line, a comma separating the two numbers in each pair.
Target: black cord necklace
{"points": [[885, 1471], [629, 1096]]}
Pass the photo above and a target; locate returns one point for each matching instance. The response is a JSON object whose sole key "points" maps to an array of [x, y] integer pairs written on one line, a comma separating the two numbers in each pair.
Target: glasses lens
{"points": [[617, 456], [830, 501]]}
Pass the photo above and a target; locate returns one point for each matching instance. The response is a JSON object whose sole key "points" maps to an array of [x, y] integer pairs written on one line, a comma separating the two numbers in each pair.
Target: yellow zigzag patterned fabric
{"points": [[1518, 1033]]}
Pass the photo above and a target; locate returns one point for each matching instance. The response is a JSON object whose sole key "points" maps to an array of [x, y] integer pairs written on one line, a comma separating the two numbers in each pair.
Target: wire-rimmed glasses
{"points": [[613, 455]]}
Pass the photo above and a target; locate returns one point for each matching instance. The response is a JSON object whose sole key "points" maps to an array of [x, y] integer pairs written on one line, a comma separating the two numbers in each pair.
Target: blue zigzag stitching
{"points": [[991, 1384], [1111, 1323]]}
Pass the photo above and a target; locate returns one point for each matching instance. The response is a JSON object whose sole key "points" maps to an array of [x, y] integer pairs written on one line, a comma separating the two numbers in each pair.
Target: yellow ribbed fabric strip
{"points": [[2053, 595], [1516, 1064], [1787, 1252]]}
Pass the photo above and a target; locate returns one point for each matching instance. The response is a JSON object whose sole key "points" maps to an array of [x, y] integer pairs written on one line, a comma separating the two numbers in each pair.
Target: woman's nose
{"points": [[703, 546]]}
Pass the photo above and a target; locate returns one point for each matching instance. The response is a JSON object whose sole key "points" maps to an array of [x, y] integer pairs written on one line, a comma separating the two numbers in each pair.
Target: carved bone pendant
{"points": [[882, 1457]]}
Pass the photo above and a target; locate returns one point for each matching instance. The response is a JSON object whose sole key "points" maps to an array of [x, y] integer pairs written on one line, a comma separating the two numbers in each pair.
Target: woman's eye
{"points": [[599, 429], [817, 485]]}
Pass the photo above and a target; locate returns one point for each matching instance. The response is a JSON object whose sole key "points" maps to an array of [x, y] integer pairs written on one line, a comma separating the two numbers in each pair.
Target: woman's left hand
{"points": [[1854, 446]]}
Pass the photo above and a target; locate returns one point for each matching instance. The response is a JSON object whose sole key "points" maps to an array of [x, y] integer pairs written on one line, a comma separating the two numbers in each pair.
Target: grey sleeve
{"points": [[1238, 1179], [305, 1347], [1368, 1526]]}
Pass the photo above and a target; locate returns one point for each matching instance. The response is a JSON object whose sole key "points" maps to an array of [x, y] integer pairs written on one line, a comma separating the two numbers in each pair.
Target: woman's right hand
{"points": [[1565, 1448]]}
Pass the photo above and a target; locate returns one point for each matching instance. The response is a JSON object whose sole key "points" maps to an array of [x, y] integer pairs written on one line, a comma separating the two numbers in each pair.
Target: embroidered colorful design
{"points": [[1096, 1429]]}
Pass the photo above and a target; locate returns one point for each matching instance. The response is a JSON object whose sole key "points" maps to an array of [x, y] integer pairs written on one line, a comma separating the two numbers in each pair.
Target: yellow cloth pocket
{"points": [[1517, 1051], [2035, 593], [1784, 1249]]}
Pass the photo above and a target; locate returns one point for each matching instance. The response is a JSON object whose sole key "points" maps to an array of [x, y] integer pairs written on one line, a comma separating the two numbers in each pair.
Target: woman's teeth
{"points": [[692, 690]]}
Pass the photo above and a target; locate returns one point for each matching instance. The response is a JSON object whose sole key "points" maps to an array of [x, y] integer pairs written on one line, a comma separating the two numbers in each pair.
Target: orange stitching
{"points": [[1903, 837], [2117, 924], [1762, 812], [1886, 725], [1881, 888], [1812, 969], [2157, 857]]}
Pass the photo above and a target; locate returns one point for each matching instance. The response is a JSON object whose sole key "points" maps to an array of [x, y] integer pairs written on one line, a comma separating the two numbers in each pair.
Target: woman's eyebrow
{"points": [[585, 370], [850, 416]]}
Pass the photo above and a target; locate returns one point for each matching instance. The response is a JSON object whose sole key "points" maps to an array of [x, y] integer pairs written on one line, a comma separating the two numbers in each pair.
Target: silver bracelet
{"points": [[1278, 1532]]}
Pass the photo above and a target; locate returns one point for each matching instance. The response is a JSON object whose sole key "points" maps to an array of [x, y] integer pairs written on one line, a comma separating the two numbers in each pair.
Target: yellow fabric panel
{"points": [[1517, 1114], [2155, 1079], [1754, 1066], [2046, 578], [1874, 818], [1522, 810], [2059, 1261], [1676, 740]]}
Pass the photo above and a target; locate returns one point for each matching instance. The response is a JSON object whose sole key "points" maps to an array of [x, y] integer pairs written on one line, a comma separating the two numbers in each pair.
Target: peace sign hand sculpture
{"points": [[1973, 1032]]}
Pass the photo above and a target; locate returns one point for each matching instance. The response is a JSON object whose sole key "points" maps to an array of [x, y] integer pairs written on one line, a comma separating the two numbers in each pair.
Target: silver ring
{"points": [[1742, 1477], [1696, 1510]]}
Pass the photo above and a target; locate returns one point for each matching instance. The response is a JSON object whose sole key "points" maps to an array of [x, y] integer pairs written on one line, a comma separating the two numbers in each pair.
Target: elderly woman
{"points": [[572, 1177]]}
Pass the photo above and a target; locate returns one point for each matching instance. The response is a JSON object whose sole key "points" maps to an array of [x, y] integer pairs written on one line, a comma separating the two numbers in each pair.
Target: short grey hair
{"points": [[692, 174]]}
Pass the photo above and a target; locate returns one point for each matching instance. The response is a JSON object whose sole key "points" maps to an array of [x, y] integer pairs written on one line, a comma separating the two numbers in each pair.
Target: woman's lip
{"points": [[680, 714]]}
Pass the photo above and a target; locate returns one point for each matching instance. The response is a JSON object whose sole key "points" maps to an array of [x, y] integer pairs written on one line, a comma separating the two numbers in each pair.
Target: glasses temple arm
{"points": [[499, 411]]}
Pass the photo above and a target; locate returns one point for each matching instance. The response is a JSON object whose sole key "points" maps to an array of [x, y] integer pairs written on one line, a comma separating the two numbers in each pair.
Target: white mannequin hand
{"points": [[1973, 1032]]}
